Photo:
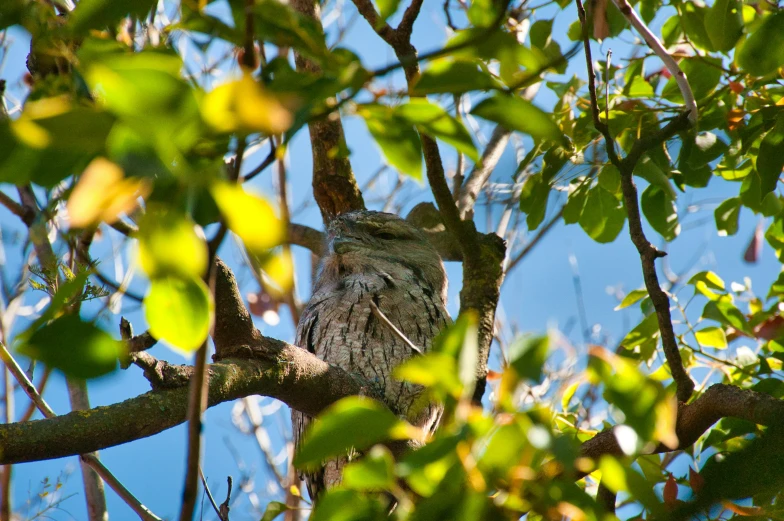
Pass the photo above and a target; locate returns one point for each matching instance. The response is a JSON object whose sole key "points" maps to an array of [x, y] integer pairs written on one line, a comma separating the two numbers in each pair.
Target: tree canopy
{"points": [[172, 127]]}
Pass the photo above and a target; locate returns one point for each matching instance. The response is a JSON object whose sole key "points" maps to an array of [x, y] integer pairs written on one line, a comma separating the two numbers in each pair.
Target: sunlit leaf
{"points": [[335, 432], [251, 217], [245, 106], [707, 283], [386, 8], [169, 244], [273, 510], [515, 113], [712, 337], [103, 194], [179, 311], [79, 349], [632, 297]]}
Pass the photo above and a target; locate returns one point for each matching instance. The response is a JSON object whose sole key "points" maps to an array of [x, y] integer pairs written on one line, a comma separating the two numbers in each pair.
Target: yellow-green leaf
{"points": [[245, 106], [169, 244], [251, 217], [179, 311], [712, 337]]}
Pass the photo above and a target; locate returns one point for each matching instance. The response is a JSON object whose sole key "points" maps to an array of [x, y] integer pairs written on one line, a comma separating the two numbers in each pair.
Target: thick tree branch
{"points": [[267, 367], [648, 253], [719, 401], [334, 186]]}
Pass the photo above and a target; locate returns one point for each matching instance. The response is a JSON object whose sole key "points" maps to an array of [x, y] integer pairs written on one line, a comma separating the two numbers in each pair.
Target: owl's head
{"points": [[367, 241]]}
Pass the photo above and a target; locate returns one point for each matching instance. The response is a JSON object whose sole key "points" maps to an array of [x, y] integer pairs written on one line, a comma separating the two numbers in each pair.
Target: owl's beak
{"points": [[342, 244]]}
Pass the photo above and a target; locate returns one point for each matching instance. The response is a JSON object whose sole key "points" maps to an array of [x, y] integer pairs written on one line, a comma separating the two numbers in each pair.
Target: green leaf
{"points": [[724, 24], [724, 312], [632, 297], [386, 8], [603, 217], [643, 337], [527, 356], [251, 217], [348, 505], [575, 204], [763, 52], [518, 114], [96, 14], [79, 349], [280, 24], [693, 23], [335, 432], [169, 245], [627, 388], [610, 179], [770, 160], [375, 471], [727, 215], [660, 211], [436, 122], [179, 311], [453, 76], [397, 138], [273, 510], [712, 337], [533, 200]]}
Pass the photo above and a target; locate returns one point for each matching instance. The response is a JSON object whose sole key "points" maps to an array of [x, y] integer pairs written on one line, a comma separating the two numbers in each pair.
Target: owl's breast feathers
{"points": [[339, 327]]}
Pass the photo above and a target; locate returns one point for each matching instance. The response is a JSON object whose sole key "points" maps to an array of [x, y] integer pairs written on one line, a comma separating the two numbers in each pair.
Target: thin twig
{"points": [[483, 169], [209, 495], [669, 62], [89, 459], [533, 242], [383, 318]]}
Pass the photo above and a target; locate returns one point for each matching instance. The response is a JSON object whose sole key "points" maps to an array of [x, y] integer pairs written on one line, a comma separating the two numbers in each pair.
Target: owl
{"points": [[380, 258]]}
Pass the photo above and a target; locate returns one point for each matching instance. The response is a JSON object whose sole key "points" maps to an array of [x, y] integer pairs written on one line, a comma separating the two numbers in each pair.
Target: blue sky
{"points": [[539, 294]]}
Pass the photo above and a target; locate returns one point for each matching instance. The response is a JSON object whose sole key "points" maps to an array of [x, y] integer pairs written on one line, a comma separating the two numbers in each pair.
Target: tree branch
{"points": [[334, 186], [267, 367], [648, 253], [719, 401]]}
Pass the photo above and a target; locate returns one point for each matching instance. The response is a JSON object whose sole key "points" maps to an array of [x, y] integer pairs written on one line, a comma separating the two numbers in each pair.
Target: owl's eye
{"points": [[384, 236]]}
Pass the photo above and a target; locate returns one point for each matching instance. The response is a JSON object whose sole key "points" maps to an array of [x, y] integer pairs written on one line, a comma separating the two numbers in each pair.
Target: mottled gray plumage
{"points": [[373, 256]]}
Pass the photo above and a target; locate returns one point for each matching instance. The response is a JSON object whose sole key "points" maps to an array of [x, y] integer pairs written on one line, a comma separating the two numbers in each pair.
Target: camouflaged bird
{"points": [[373, 257]]}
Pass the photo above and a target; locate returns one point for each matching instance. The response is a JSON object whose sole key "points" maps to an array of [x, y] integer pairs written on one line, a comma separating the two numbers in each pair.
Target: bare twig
{"points": [[481, 172], [209, 495], [383, 318], [535, 240], [669, 62]]}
